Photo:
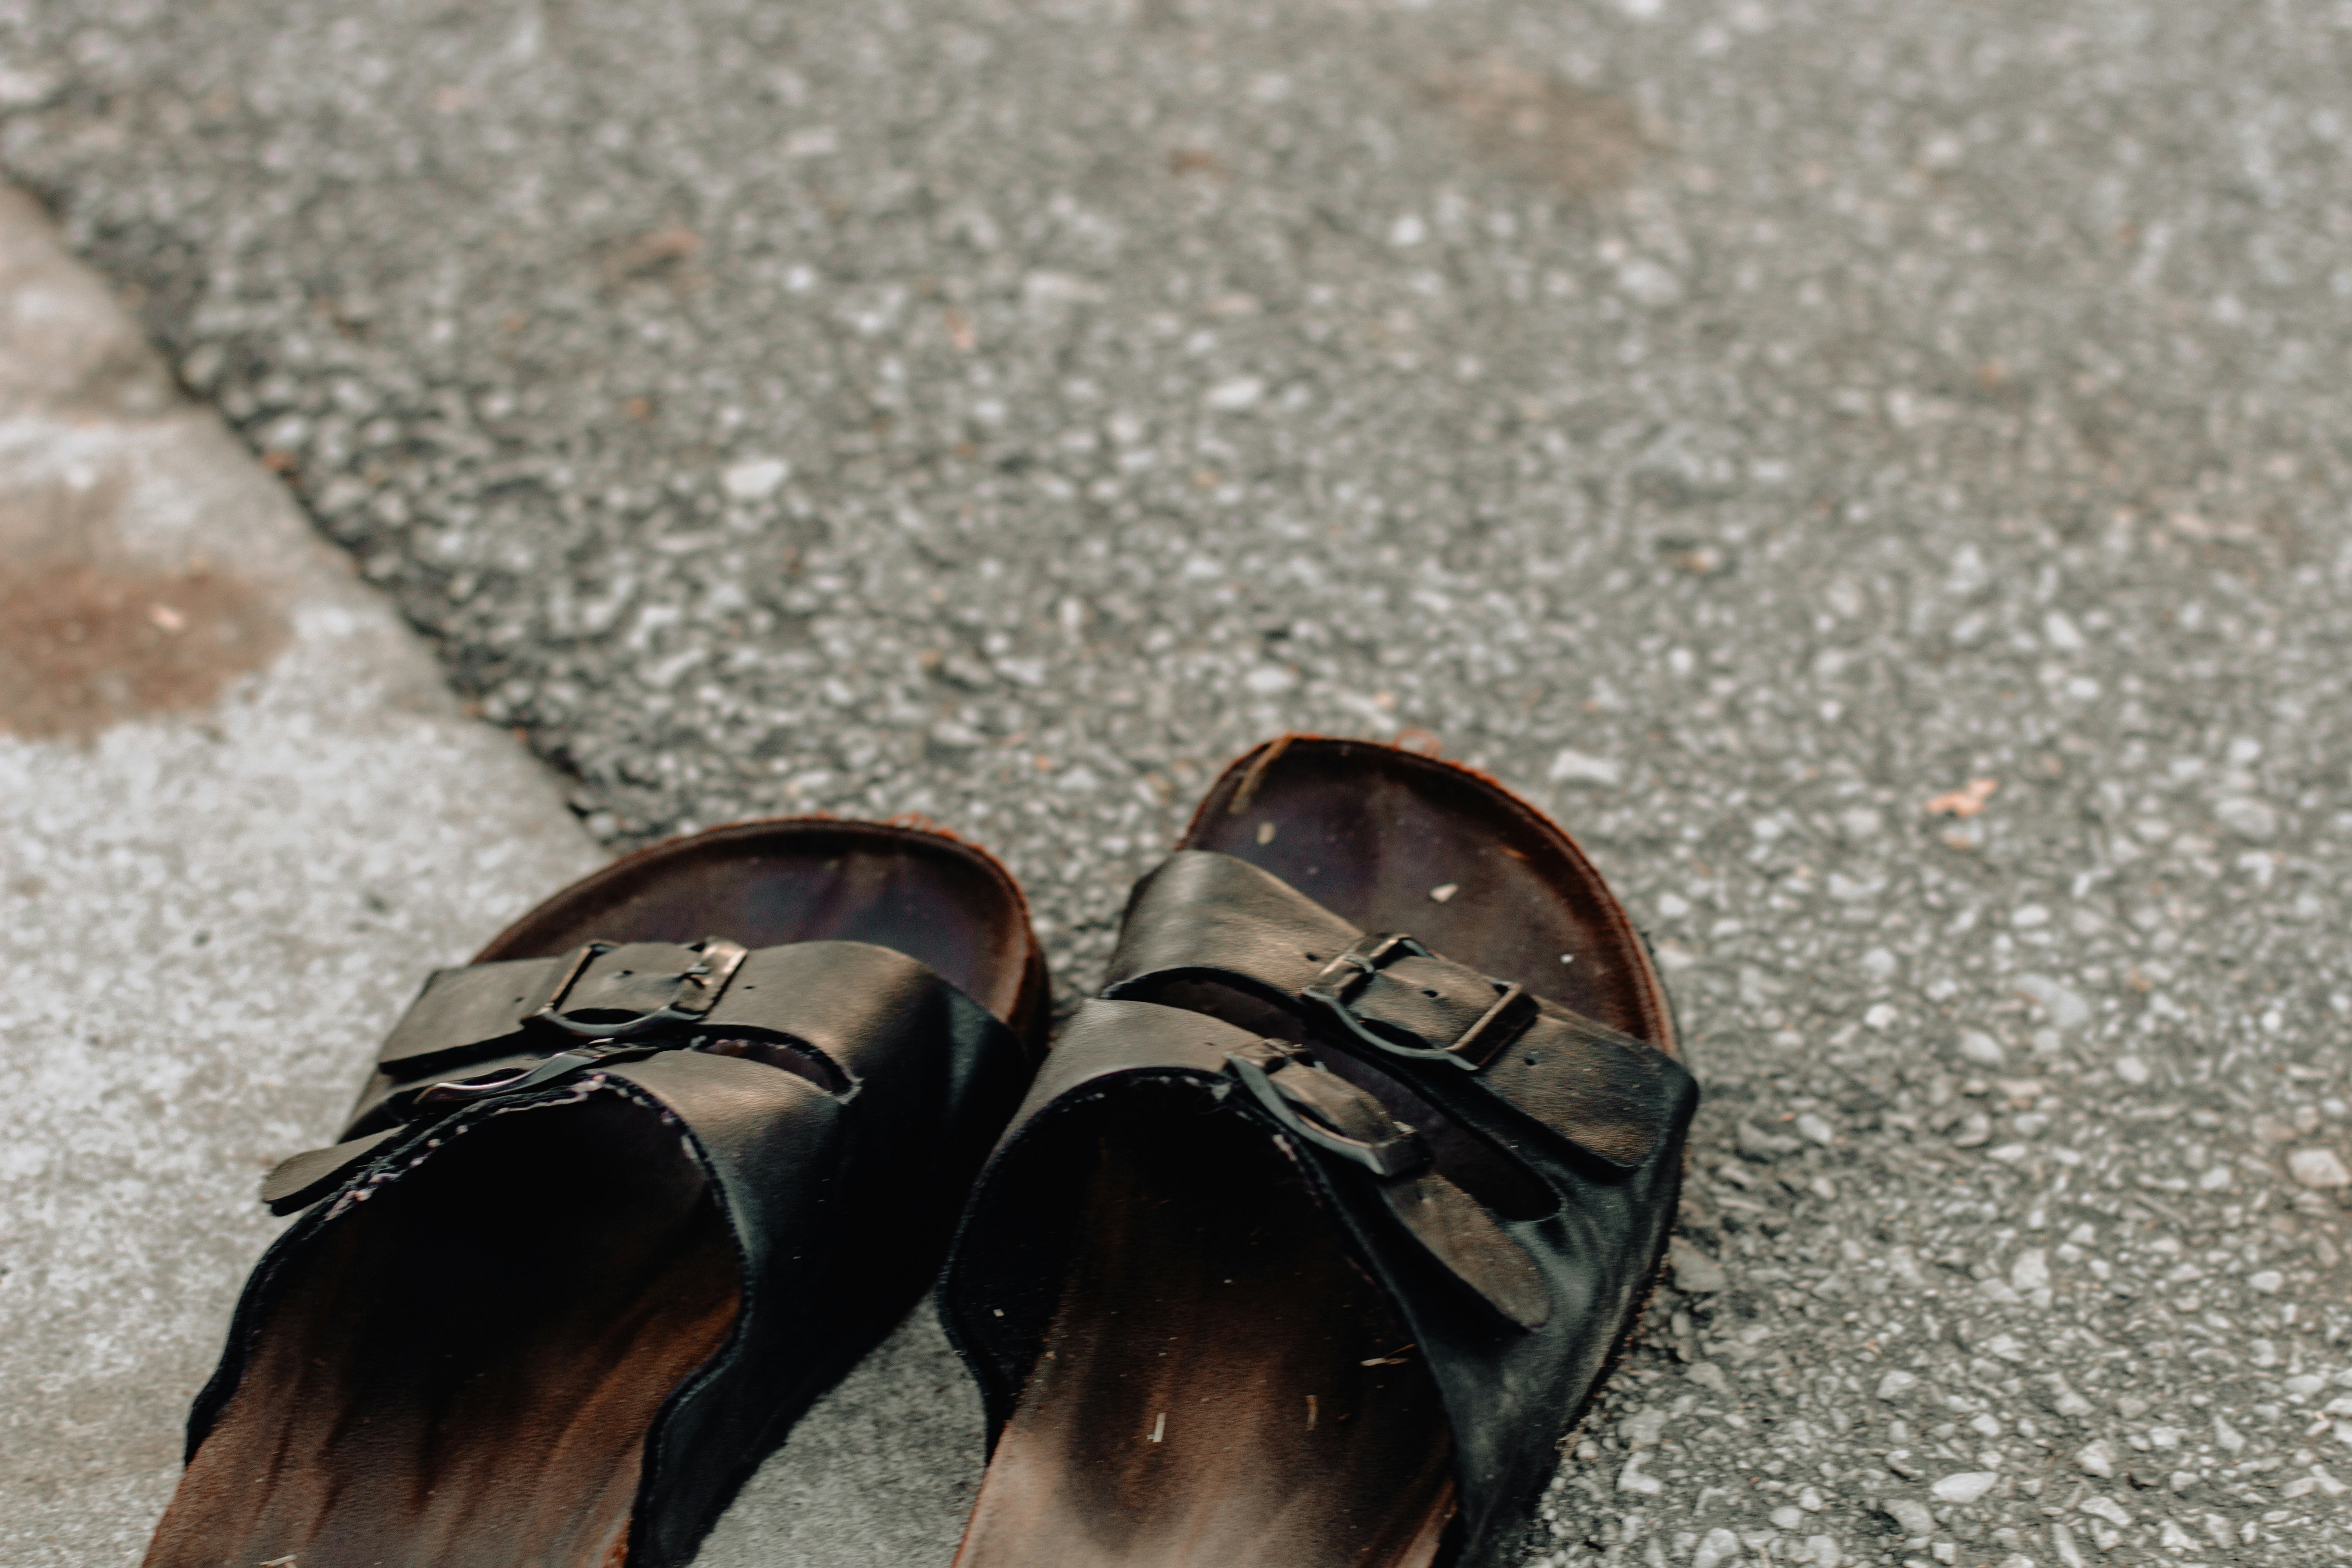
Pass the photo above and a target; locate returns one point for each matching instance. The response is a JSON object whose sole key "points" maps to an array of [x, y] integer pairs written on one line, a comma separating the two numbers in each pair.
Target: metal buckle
{"points": [[1403, 1155], [1334, 991], [693, 992]]}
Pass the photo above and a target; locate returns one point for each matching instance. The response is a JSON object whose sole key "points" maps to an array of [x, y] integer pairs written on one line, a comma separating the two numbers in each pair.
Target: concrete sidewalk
{"points": [[239, 817]]}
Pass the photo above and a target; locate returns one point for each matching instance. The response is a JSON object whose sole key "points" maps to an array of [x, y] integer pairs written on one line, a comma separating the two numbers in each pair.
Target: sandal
{"points": [[619, 1202], [1309, 1244]]}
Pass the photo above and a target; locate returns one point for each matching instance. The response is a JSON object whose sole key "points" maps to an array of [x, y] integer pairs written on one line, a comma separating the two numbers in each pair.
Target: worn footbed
{"points": [[1207, 1287], [461, 1373]]}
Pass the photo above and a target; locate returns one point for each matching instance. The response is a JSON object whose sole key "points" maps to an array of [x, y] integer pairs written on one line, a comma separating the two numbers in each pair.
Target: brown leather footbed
{"points": [[1371, 833], [462, 1372], [1203, 1278], [1204, 1397], [809, 879], [454, 1381]]}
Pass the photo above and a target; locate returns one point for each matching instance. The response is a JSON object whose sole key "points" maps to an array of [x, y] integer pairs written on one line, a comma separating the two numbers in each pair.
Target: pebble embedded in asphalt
{"points": [[1739, 424]]}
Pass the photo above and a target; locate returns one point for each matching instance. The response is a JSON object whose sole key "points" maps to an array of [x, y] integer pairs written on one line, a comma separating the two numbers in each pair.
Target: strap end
{"points": [[303, 1180]]}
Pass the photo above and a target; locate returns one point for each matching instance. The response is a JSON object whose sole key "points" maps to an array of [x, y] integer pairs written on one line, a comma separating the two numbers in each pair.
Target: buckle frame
{"points": [[1400, 1154], [1334, 991], [694, 992]]}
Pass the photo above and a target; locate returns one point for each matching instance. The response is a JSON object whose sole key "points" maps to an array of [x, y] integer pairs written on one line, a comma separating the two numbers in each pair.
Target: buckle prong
{"points": [[1402, 1153], [1334, 990], [694, 991]]}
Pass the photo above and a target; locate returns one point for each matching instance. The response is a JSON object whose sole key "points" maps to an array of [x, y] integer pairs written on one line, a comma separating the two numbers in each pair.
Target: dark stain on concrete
{"points": [[90, 636], [1582, 141]]}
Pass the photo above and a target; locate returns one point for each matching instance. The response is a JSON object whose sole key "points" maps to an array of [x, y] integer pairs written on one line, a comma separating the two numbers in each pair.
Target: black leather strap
{"points": [[608, 992], [494, 1032], [1202, 916], [1342, 1122], [1364, 1150], [1515, 1309]]}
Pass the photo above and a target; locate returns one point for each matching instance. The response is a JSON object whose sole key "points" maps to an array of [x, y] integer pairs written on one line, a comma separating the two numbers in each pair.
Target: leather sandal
{"points": [[1315, 1232], [619, 1201]]}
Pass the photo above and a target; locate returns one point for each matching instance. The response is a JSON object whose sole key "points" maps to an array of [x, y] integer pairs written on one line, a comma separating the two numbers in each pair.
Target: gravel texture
{"points": [[1741, 425]]}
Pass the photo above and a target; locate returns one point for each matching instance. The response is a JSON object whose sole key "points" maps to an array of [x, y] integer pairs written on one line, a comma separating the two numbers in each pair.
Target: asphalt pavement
{"points": [[1878, 474]]}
